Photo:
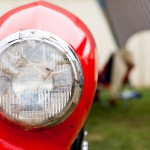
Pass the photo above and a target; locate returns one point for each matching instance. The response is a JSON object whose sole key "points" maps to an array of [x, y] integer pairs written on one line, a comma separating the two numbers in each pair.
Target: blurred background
{"points": [[125, 126], [91, 13]]}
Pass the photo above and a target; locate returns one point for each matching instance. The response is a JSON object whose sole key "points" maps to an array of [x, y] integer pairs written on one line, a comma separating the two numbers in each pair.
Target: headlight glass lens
{"points": [[40, 79]]}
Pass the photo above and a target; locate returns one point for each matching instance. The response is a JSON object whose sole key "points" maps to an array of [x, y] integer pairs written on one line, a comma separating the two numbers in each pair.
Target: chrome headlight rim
{"points": [[52, 39]]}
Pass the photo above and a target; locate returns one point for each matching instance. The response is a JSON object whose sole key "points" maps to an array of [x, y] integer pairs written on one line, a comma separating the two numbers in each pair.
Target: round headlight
{"points": [[40, 79]]}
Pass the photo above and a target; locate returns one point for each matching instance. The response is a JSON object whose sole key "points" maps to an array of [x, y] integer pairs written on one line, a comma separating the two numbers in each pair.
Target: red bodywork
{"points": [[41, 15]]}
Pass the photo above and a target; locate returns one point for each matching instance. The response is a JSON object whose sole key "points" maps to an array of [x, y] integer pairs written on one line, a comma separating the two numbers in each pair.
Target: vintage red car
{"points": [[48, 76]]}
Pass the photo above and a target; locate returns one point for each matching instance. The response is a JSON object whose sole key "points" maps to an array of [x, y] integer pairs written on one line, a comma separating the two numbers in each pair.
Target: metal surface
{"points": [[85, 144], [53, 19]]}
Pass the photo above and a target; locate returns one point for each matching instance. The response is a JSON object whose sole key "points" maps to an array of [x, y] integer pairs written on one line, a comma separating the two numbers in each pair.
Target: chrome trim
{"points": [[85, 143]]}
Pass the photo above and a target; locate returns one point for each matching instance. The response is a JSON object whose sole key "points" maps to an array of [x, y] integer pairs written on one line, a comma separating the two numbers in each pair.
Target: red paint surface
{"points": [[41, 15]]}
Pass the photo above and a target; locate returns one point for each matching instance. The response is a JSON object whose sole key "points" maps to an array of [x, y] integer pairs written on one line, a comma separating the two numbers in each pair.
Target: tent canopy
{"points": [[126, 17]]}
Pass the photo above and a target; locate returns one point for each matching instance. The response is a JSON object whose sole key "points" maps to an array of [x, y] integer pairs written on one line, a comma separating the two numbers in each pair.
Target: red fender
{"points": [[48, 17]]}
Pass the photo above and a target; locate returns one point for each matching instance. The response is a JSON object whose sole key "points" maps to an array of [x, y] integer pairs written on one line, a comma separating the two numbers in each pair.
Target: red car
{"points": [[48, 76]]}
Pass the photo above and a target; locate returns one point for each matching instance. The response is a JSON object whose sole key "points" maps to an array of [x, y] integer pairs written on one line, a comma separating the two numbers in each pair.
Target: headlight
{"points": [[40, 79]]}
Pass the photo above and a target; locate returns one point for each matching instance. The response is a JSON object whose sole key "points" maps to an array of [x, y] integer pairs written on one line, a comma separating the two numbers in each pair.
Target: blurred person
{"points": [[115, 74], [121, 68]]}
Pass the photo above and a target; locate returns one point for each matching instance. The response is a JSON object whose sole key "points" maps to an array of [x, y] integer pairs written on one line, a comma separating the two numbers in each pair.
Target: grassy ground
{"points": [[123, 127]]}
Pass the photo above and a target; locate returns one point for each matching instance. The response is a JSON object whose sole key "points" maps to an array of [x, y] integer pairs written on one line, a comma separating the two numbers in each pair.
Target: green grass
{"points": [[123, 127]]}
